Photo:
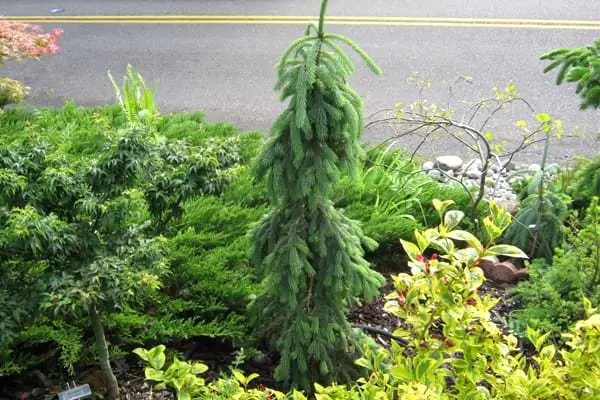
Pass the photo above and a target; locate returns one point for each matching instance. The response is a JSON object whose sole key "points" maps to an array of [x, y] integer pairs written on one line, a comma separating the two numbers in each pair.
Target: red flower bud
{"points": [[424, 345], [434, 256], [471, 301], [449, 343], [419, 258]]}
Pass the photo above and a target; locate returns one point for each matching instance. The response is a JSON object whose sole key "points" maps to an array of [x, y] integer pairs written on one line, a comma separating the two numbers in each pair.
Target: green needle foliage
{"points": [[581, 65], [588, 181], [310, 253]]}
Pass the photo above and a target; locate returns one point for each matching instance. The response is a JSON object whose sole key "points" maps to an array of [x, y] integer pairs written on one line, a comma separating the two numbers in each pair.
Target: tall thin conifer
{"points": [[311, 254]]}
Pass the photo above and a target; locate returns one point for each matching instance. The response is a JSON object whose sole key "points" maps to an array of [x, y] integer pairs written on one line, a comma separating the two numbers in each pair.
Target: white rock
{"points": [[534, 167], [449, 162], [428, 166]]}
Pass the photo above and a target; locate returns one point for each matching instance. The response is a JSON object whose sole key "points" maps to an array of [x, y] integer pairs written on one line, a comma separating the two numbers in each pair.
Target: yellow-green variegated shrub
{"points": [[450, 348]]}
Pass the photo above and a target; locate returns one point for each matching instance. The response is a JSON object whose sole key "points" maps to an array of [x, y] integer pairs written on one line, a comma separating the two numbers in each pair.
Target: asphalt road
{"points": [[226, 70]]}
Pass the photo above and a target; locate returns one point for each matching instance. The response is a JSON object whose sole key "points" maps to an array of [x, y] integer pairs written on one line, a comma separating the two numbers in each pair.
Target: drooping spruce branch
{"points": [[310, 253]]}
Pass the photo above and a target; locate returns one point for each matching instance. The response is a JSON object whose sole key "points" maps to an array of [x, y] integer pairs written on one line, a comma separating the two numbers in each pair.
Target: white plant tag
{"points": [[76, 393]]}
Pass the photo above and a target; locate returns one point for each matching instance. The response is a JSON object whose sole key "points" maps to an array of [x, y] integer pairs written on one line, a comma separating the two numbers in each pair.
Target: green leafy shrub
{"points": [[71, 247], [182, 377], [551, 300]]}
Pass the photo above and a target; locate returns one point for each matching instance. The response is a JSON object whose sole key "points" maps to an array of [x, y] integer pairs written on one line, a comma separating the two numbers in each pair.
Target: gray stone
{"points": [[474, 163], [553, 169], [515, 179], [473, 173], [449, 162], [435, 174], [428, 166]]}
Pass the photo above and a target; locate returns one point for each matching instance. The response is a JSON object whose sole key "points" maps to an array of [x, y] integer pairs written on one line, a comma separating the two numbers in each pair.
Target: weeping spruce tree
{"points": [[312, 254]]}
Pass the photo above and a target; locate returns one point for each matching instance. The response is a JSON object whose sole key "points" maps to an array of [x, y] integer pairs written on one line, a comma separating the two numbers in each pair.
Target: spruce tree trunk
{"points": [[110, 380]]}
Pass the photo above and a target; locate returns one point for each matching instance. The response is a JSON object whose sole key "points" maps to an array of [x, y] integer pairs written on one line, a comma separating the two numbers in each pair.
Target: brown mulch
{"points": [[134, 387]]}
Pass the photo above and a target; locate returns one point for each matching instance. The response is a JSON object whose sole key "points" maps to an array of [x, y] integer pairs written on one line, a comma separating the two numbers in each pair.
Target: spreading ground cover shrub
{"points": [[448, 346]]}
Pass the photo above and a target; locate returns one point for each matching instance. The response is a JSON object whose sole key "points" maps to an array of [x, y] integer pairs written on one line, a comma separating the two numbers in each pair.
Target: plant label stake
{"points": [[76, 392]]}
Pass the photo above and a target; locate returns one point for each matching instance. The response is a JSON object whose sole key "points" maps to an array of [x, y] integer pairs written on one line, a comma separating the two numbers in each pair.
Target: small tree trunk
{"points": [[112, 385]]}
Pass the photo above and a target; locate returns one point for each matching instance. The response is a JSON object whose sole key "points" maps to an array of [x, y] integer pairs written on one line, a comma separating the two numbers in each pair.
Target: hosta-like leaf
{"points": [[156, 357], [452, 218], [199, 368], [411, 249], [153, 374], [505, 250], [466, 237]]}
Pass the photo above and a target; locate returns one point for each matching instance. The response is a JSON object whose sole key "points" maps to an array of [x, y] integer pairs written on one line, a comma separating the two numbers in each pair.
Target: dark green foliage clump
{"points": [[538, 228], [581, 65], [552, 299], [537, 232], [310, 253], [587, 184]]}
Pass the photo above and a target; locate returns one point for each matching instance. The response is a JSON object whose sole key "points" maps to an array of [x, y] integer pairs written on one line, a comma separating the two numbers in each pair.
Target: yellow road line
{"points": [[295, 20], [308, 17]]}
